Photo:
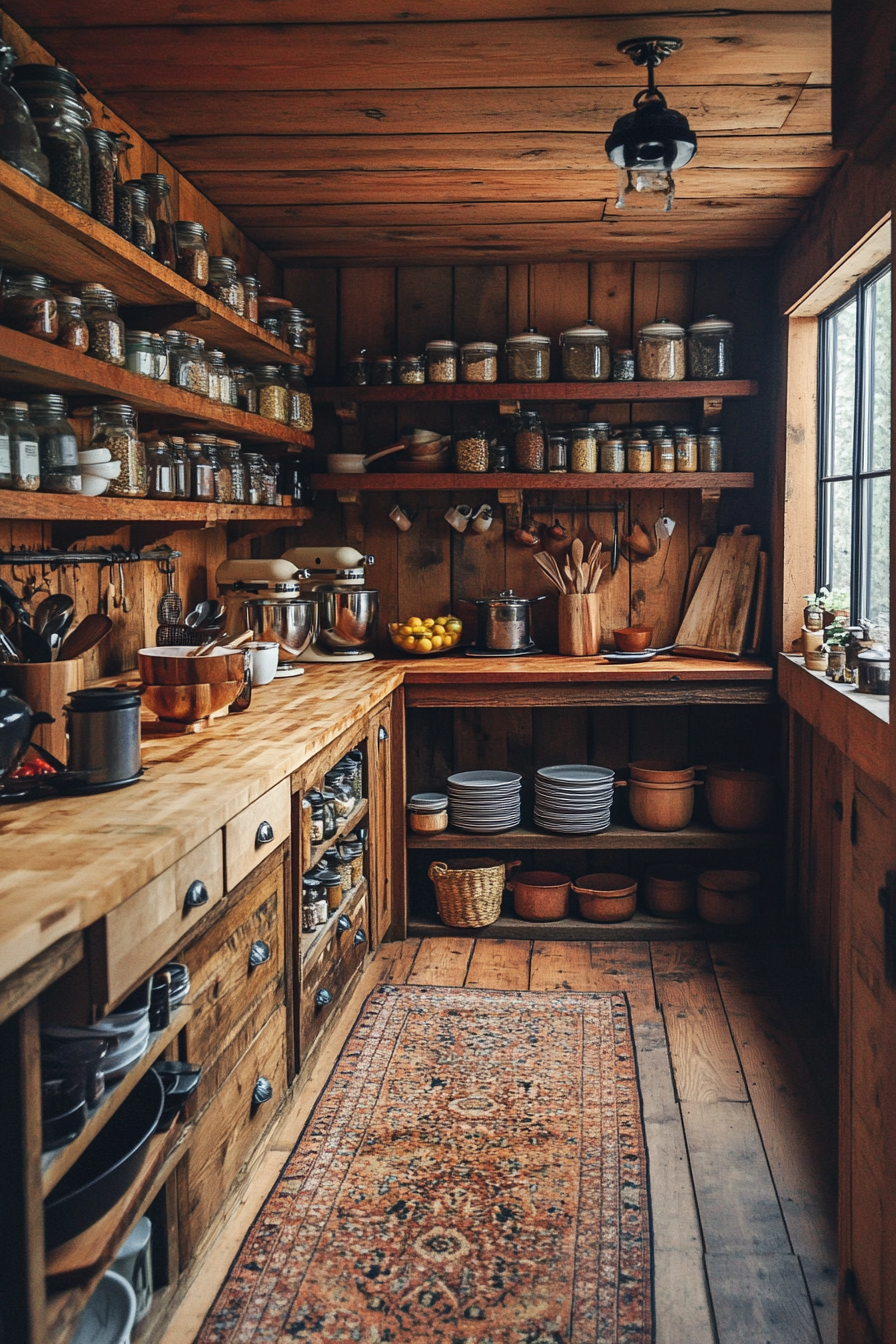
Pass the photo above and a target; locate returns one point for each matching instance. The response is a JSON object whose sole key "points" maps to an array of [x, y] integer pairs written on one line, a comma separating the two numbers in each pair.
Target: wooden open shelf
{"points": [[74, 508], [640, 927], [635, 391], [616, 836], [346, 825], [26, 361], [311, 940], [536, 480], [54, 1165], [44, 233]]}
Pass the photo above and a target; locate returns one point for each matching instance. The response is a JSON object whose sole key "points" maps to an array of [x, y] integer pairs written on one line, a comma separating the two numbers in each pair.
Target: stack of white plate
{"points": [[573, 799], [484, 801], [132, 1032]]}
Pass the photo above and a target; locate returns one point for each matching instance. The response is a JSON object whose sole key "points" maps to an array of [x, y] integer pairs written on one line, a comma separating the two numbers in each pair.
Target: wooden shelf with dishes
{"points": [[695, 837], [641, 927], [713, 389], [44, 233], [366, 482]]}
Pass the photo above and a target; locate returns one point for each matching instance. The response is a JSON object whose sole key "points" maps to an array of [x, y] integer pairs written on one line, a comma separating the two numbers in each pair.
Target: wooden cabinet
{"points": [[256, 832], [379, 773], [331, 966]]}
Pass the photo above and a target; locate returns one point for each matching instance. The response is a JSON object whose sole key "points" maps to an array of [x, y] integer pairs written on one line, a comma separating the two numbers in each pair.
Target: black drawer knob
{"points": [[264, 835], [360, 936], [259, 953], [197, 894], [343, 924], [262, 1091], [322, 998]]}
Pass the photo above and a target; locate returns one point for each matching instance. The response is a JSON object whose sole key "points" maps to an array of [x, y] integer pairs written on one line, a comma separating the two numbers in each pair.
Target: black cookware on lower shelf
{"points": [[180, 1080]]}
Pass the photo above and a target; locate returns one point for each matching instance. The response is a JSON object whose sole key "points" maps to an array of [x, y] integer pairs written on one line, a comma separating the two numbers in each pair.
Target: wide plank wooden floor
{"points": [[737, 1066]]}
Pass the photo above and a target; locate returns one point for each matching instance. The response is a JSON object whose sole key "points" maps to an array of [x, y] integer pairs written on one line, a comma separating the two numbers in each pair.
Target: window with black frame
{"points": [[853, 554]]}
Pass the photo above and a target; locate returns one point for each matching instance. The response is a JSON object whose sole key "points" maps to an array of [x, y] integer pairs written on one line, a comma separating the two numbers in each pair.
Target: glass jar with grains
{"points": [[107, 339], [297, 330], [638, 455], [623, 366], [161, 369], [223, 283], [189, 368], [254, 463], [528, 357], [585, 353], [214, 359], [123, 210], [471, 450], [73, 330], [711, 348], [663, 453], [19, 143], [29, 305], [301, 415], [232, 459], [709, 449], [102, 175], [412, 370], [115, 428], [191, 241], [685, 451], [612, 454], [54, 101], [583, 452], [183, 478], [139, 354], [246, 389], [661, 352], [24, 454], [143, 233], [202, 476], [529, 448], [479, 362], [441, 361], [60, 471], [251, 290], [5, 459], [273, 402], [158, 208]]}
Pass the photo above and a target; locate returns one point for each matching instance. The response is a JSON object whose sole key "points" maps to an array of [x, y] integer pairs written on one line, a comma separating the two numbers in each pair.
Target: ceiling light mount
{"points": [[650, 51], [648, 144]]}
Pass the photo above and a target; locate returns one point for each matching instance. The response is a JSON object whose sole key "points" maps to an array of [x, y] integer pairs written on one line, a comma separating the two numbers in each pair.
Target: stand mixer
{"points": [[347, 611], [265, 596]]}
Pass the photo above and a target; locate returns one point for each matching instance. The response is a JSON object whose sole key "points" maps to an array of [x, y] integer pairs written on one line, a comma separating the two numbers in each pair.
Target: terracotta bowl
{"points": [[172, 667], [669, 889], [728, 895], [661, 772], [634, 639], [606, 898], [189, 704], [740, 799], [540, 896], [661, 807]]}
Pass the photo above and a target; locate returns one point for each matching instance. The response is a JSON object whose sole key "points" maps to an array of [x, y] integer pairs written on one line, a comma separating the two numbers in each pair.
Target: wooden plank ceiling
{"points": [[352, 132]]}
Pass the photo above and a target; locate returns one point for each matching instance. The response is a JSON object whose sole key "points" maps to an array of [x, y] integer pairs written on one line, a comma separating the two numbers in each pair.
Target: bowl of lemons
{"points": [[424, 636]]}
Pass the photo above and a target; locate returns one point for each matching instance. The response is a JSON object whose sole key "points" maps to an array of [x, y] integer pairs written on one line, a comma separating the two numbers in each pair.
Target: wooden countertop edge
{"points": [[857, 725], [66, 862]]}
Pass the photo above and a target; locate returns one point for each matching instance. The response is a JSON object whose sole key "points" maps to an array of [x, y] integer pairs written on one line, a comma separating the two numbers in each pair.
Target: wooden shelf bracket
{"points": [[353, 509], [513, 508]]}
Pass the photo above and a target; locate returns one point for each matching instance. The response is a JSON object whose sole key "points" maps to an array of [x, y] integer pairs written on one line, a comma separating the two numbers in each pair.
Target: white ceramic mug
{"points": [[482, 519], [265, 657], [458, 516], [400, 518]]}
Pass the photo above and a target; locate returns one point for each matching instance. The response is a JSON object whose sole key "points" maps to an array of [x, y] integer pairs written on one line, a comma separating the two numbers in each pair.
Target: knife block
{"points": [[578, 621], [46, 687]]}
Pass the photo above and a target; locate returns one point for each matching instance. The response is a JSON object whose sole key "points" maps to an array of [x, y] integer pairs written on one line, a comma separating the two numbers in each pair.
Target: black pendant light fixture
{"points": [[647, 145]]}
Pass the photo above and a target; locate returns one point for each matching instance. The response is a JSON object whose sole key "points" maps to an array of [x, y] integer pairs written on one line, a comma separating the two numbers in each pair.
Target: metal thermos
{"points": [[104, 734]]}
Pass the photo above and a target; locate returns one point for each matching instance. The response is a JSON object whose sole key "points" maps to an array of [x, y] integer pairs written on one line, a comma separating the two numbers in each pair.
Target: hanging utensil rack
{"points": [[115, 556]]}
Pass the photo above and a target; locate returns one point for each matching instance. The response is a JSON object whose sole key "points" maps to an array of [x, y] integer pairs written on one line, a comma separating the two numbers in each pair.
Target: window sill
{"points": [[858, 725]]}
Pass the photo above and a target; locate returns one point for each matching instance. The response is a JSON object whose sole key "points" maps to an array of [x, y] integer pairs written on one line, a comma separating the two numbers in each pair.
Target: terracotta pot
{"points": [[634, 639], [740, 799], [189, 704], [541, 896], [728, 896], [606, 898], [662, 772], [669, 889], [661, 807], [171, 667]]}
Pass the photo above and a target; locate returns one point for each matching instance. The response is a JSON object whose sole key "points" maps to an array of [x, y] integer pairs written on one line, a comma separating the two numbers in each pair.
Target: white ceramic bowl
{"points": [[109, 1315], [93, 455], [109, 471], [265, 657], [93, 485]]}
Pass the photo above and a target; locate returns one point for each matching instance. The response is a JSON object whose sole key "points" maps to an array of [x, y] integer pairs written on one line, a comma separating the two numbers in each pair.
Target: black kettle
{"points": [[17, 723]]}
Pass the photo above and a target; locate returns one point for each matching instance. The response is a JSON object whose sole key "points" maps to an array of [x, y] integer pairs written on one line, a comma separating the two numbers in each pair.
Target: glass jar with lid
{"points": [[158, 209], [143, 233], [330, 823], [115, 428], [528, 357], [638, 455], [159, 469], [226, 383], [479, 362], [73, 331], [273, 402], [583, 448], [61, 118], [189, 366], [19, 140], [254, 463], [623, 366], [661, 352], [558, 451], [382, 371], [663, 449], [60, 471], [412, 370], [585, 353], [182, 468], [612, 454], [139, 355], [107, 339], [232, 458], [709, 449], [251, 290], [202, 476], [295, 329], [191, 241], [102, 175], [29, 305], [711, 348], [529, 447], [161, 370], [246, 389], [223, 283], [685, 451], [24, 453], [5, 459], [471, 449], [271, 484], [214, 359], [301, 415], [356, 370], [441, 361], [123, 206]]}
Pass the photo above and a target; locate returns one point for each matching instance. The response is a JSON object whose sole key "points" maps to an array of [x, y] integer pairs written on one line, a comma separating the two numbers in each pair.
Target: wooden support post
{"points": [[513, 508], [712, 410], [353, 510], [347, 411], [23, 1301], [508, 408], [709, 511]]}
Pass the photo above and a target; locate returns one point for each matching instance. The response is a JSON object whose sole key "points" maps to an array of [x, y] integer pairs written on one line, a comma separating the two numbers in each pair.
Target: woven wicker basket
{"points": [[469, 897]]}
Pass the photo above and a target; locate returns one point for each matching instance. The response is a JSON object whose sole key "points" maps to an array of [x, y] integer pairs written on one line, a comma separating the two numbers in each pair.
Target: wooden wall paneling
{"points": [[611, 300], [480, 304], [424, 561], [826, 830], [658, 581], [385, 543], [559, 737], [518, 300], [609, 737], [659, 734], [317, 292], [367, 322], [424, 312], [614, 589]]}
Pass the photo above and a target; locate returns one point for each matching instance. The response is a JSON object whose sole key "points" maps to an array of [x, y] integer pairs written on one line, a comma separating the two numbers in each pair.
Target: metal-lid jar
{"points": [[528, 357], [104, 734], [29, 305], [585, 353], [710, 348], [107, 338], [191, 241], [54, 100], [441, 361], [479, 362], [661, 352]]}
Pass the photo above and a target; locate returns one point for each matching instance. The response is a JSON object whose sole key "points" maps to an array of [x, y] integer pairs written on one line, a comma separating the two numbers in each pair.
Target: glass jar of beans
{"points": [[471, 449]]}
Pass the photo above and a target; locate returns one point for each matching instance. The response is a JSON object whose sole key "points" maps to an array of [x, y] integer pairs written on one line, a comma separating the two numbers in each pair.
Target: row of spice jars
{"points": [[325, 887], [38, 446], [298, 329], [595, 447]]}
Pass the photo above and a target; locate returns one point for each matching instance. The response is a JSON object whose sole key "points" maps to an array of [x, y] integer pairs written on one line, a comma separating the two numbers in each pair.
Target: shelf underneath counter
{"points": [[641, 928], [617, 836]]}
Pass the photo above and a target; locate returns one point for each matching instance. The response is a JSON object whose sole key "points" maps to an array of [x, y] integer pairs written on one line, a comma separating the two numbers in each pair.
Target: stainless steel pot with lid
{"points": [[502, 620]]}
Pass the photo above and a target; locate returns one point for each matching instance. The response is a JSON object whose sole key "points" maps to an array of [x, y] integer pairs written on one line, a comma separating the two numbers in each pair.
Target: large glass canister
{"points": [[107, 336], [301, 415], [528, 357], [27, 304], [711, 348], [102, 175], [529, 446], [158, 206], [441, 361], [19, 140], [60, 471], [585, 353], [54, 100], [191, 241], [661, 352], [273, 402], [479, 362], [115, 428]]}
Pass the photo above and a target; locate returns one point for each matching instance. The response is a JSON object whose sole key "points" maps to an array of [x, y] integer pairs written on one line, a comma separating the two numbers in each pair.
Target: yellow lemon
{"points": [[408, 642], [438, 628], [425, 645], [404, 629], [437, 641], [429, 622], [414, 621]]}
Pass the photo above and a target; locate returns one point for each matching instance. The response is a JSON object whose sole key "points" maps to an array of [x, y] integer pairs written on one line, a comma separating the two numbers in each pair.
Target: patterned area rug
{"points": [[474, 1173]]}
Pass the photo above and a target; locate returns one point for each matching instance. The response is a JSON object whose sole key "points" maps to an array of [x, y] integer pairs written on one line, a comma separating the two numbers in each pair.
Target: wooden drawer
{"points": [[139, 934], [227, 974], [229, 1127], [331, 971], [256, 832]]}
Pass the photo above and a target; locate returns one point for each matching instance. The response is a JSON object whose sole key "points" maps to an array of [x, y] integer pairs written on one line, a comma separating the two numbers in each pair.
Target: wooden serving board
{"points": [[715, 622], [699, 561]]}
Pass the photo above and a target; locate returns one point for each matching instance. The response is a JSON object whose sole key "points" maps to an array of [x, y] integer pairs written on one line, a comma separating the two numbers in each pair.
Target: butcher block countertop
{"points": [[66, 862]]}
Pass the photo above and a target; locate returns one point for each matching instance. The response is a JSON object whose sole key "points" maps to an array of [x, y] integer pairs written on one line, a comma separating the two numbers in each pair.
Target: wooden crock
{"points": [[425, 823], [740, 799], [578, 624], [606, 898], [540, 896], [728, 896], [670, 889], [46, 688], [661, 807]]}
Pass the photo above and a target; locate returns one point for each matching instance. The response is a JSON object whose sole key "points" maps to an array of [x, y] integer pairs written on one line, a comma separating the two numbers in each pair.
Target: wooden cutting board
{"points": [[715, 623], [699, 561]]}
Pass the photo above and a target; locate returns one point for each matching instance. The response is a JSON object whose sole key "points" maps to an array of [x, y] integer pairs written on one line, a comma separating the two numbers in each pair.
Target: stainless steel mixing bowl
{"points": [[347, 617], [291, 624]]}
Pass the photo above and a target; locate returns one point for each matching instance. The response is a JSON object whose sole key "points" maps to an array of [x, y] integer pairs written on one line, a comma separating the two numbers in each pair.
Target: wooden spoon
{"points": [[577, 551], [549, 565], [85, 637]]}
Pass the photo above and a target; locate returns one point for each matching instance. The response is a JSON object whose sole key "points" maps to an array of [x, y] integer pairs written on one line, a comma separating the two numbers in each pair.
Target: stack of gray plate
{"points": [[573, 799], [484, 801]]}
